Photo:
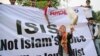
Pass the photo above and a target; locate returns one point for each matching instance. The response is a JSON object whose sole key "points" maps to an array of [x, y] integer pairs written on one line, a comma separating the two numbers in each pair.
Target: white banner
{"points": [[24, 32]]}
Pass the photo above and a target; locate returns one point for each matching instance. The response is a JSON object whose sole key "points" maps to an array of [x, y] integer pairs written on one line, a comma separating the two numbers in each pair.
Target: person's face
{"points": [[49, 3], [12, 2], [91, 21], [88, 2], [62, 29], [33, 3]]}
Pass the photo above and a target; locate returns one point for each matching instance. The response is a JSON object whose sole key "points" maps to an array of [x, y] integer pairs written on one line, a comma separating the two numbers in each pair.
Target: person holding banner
{"points": [[91, 26], [49, 5], [64, 41], [67, 11], [71, 13], [12, 2], [87, 9], [97, 38], [33, 3]]}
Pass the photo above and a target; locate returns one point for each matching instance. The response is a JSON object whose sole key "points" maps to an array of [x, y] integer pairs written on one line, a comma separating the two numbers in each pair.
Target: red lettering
{"points": [[52, 13], [60, 12]]}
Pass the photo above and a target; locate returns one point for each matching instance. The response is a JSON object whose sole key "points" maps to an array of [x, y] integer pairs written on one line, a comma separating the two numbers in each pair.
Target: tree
{"points": [[24, 2], [39, 3], [19, 2], [96, 16]]}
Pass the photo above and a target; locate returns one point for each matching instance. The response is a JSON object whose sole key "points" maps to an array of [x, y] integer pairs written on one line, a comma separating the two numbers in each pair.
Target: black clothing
{"points": [[60, 51], [60, 48], [0, 3], [92, 30], [69, 45]]}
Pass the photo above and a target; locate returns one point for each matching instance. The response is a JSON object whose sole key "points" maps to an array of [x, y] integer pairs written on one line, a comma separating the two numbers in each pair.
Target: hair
{"points": [[90, 18], [62, 26], [88, 1], [49, 5], [48, 0], [33, 0]]}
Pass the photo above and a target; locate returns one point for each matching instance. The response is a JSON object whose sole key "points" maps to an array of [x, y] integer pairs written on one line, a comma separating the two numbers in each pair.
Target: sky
{"points": [[72, 3]]}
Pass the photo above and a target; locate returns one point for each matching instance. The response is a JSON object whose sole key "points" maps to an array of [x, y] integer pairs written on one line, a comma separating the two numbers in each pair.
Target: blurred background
{"points": [[42, 3]]}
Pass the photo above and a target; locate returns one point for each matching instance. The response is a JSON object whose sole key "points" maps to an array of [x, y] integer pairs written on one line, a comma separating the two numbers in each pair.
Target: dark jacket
{"points": [[69, 37], [60, 50]]}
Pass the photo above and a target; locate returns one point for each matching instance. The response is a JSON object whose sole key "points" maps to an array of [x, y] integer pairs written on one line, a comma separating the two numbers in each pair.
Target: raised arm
{"points": [[72, 15]]}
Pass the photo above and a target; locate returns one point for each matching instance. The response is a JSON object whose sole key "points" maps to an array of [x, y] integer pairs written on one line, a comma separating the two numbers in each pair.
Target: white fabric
{"points": [[88, 12], [31, 19]]}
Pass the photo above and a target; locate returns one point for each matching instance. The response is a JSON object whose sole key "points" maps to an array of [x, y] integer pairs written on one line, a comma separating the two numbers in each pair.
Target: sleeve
{"points": [[72, 15], [96, 31], [45, 10], [69, 35]]}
